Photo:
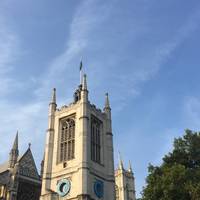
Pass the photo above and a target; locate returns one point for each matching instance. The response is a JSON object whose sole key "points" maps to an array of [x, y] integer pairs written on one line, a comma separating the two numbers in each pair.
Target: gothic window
{"points": [[27, 190], [127, 191], [67, 142], [117, 192], [95, 139]]}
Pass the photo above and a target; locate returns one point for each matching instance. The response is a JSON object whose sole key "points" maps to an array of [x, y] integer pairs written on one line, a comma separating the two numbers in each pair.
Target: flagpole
{"points": [[81, 77], [81, 72]]}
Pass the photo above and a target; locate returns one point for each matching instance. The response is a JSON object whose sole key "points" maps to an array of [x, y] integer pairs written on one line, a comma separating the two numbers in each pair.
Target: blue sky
{"points": [[144, 53]]}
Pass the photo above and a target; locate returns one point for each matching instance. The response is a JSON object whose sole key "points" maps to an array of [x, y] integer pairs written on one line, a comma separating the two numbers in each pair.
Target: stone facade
{"points": [[85, 171], [19, 179], [78, 159], [125, 183]]}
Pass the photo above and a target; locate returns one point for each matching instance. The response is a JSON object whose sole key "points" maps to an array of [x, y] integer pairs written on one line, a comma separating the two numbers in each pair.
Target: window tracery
{"points": [[67, 141], [95, 139], [27, 190]]}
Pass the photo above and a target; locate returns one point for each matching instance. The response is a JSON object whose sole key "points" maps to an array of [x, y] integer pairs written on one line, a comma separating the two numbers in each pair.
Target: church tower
{"points": [[78, 161], [125, 183]]}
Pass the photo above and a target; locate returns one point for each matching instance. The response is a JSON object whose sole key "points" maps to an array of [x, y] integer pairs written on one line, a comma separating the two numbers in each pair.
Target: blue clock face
{"points": [[63, 187], [98, 188]]}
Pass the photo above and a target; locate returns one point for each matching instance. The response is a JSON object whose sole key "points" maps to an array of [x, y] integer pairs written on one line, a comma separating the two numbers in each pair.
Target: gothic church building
{"points": [[19, 178], [78, 162]]}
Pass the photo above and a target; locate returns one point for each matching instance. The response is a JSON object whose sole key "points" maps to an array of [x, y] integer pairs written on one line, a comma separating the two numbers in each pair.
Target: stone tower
{"points": [[125, 183], [78, 161]]}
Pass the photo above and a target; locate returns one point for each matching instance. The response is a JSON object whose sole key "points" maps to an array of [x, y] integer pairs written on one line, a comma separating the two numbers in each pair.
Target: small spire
{"points": [[15, 144], [84, 83], [29, 145], [130, 167], [53, 99], [121, 166], [107, 103], [13, 156]]}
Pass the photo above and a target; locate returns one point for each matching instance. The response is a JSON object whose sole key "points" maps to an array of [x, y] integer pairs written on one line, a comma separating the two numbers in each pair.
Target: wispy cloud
{"points": [[14, 116], [92, 33], [191, 112], [150, 63], [28, 117], [87, 16], [164, 52], [9, 44]]}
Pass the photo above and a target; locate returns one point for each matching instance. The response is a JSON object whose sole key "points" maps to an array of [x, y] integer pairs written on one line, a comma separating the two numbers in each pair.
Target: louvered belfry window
{"points": [[67, 141], [95, 139]]}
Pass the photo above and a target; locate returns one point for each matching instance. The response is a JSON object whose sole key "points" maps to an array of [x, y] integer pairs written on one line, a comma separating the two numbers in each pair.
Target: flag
{"points": [[81, 66]]}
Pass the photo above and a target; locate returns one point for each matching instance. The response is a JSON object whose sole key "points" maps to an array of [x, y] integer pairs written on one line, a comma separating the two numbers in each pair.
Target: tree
{"points": [[178, 177]]}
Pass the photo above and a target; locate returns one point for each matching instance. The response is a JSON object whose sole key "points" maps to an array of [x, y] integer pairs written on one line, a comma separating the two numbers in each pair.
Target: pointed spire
{"points": [[52, 104], [130, 167], [84, 82], [15, 144], [107, 108], [84, 91], [14, 152], [107, 103], [53, 99], [121, 166]]}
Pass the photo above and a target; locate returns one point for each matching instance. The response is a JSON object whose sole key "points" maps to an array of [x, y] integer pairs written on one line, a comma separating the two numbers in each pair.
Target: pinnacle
{"points": [[84, 83], [15, 144], [107, 103], [121, 166], [53, 99]]}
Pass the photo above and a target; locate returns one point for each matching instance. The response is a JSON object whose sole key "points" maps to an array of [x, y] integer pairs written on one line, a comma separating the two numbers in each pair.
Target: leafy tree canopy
{"points": [[178, 178]]}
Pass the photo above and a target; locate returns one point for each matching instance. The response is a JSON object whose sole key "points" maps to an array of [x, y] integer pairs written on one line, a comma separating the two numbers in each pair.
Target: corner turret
{"points": [[130, 167], [52, 104], [84, 91]]}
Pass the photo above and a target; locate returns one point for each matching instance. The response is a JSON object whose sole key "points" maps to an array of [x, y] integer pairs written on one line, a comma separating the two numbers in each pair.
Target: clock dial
{"points": [[99, 188], [63, 187]]}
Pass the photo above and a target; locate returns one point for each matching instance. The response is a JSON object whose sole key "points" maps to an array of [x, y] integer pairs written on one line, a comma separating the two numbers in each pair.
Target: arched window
{"points": [[117, 192], [95, 139], [27, 191], [127, 191], [67, 142]]}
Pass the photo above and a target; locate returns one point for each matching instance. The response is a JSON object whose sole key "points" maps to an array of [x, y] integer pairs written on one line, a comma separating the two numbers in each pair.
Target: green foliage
{"points": [[178, 178]]}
